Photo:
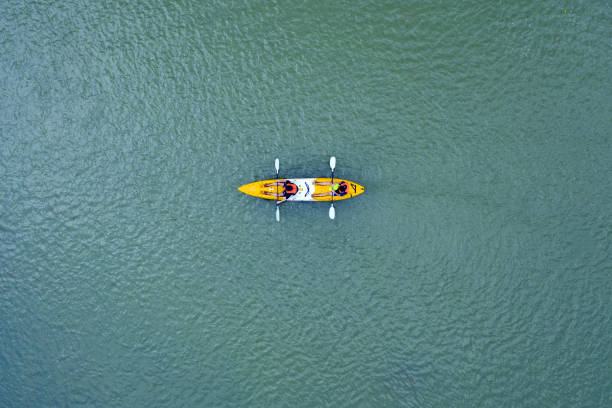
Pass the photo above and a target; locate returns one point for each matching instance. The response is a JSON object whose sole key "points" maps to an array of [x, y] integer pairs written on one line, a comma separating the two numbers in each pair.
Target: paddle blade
{"points": [[332, 162], [332, 212], [277, 214], [276, 165]]}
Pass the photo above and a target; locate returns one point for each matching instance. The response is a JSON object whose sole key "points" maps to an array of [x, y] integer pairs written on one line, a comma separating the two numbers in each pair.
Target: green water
{"points": [[475, 271]]}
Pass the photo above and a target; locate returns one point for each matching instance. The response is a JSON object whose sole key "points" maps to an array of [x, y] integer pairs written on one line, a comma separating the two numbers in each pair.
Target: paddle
{"points": [[332, 211], [276, 165]]}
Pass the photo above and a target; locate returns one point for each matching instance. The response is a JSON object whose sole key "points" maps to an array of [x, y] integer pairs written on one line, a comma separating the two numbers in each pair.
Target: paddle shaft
{"points": [[332, 187], [276, 165], [332, 164]]}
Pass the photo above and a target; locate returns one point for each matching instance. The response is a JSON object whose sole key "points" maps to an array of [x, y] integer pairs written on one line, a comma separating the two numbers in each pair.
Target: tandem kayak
{"points": [[304, 189], [307, 187]]}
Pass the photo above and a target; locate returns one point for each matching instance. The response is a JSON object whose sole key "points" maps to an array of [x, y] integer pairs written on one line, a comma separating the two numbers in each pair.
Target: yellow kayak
{"points": [[308, 189]]}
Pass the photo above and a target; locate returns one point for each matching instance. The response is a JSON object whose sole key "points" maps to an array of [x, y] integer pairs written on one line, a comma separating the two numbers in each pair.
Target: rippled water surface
{"points": [[476, 270]]}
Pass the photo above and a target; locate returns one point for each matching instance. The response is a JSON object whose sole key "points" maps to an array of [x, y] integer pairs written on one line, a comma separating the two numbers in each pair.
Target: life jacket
{"points": [[290, 188], [341, 190]]}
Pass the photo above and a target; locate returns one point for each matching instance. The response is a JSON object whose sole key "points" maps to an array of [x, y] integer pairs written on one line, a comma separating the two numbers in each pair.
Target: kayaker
{"points": [[289, 189], [337, 189]]}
